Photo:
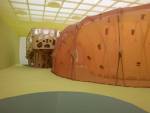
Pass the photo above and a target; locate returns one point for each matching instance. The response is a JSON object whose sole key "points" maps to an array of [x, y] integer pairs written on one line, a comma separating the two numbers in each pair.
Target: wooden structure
{"points": [[110, 48], [40, 45]]}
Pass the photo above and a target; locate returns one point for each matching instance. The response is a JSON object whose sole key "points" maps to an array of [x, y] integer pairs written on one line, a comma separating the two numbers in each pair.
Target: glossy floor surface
{"points": [[66, 102], [19, 80]]}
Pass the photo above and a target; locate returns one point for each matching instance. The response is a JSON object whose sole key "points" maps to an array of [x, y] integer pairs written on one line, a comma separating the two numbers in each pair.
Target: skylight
{"points": [[90, 1], [69, 5], [106, 2], [98, 8], [66, 11], [19, 5], [120, 4], [79, 12], [36, 2], [35, 7], [86, 7]]}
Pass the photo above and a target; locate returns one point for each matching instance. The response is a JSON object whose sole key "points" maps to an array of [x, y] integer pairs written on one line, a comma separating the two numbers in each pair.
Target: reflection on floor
{"points": [[66, 102], [19, 80]]}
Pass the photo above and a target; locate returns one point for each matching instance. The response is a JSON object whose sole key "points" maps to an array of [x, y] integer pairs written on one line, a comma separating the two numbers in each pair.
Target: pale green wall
{"points": [[11, 28], [8, 46]]}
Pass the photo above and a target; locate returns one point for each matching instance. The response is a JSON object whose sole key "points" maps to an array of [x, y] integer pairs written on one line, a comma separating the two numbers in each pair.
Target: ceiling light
{"points": [[60, 19], [129, 0], [23, 17], [36, 16], [106, 2], [79, 12], [21, 12], [34, 7], [144, 1], [92, 13], [18, 5], [120, 4], [134, 5], [63, 14], [36, 12], [64, 10], [71, 20], [49, 17], [69, 5], [76, 17], [54, 4], [36, 1], [86, 7], [23, 1], [97, 8], [50, 13], [74, 0], [51, 9], [90, 1]]}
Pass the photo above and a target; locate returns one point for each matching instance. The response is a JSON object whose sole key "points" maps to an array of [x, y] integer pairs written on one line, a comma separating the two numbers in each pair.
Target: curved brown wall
{"points": [[110, 48]]}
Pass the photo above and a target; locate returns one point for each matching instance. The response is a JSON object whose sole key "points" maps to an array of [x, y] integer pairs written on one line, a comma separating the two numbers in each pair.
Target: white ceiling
{"points": [[67, 11]]}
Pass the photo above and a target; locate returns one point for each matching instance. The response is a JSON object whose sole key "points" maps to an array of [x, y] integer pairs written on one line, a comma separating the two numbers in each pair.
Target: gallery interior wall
{"points": [[11, 28]]}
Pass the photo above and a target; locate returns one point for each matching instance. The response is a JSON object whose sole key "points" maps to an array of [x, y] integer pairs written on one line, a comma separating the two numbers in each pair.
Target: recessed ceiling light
{"points": [[143, 1], [106, 2], [72, 20], [64, 10], [48, 17], [129, 0], [98, 8], [120, 4], [23, 1], [23, 17], [36, 12], [91, 1], [54, 4], [92, 13], [134, 5], [74, 0], [21, 12], [69, 5], [36, 1], [79, 12], [76, 17], [18, 5], [51, 9], [60, 19], [50, 13], [35, 7], [85, 7], [63, 14], [36, 16]]}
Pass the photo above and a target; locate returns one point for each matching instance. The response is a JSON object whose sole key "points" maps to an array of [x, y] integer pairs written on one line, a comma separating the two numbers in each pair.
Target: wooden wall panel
{"points": [[133, 35]]}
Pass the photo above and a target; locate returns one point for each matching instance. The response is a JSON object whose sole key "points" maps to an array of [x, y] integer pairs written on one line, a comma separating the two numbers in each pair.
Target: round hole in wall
{"points": [[132, 31], [101, 66], [138, 64], [88, 57], [106, 31], [99, 46], [142, 16]]}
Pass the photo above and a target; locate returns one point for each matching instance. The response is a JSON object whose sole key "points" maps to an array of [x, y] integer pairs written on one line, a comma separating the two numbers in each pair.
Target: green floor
{"points": [[19, 80]]}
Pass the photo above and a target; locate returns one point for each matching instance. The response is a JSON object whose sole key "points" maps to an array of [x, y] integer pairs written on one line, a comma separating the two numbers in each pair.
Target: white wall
{"points": [[22, 51]]}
